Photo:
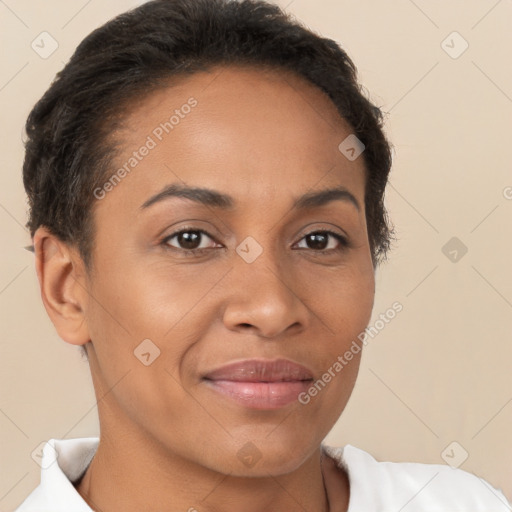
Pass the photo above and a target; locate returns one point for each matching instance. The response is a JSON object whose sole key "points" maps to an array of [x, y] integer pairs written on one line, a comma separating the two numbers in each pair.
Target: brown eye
{"points": [[188, 240], [324, 241]]}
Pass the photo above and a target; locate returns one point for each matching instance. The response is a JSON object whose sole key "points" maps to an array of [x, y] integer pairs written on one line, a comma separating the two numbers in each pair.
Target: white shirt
{"points": [[374, 486]]}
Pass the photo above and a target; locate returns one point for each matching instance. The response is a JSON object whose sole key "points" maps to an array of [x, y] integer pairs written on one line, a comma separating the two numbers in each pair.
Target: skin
{"points": [[263, 137]]}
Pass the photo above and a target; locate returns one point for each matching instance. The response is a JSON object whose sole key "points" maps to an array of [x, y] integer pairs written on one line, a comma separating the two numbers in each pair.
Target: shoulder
{"points": [[416, 486]]}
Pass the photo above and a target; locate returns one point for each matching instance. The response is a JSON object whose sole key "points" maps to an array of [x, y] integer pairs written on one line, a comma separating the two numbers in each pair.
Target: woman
{"points": [[206, 184]]}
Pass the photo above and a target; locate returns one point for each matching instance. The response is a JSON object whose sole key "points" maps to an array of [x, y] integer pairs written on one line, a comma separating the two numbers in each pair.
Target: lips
{"points": [[260, 384], [260, 370]]}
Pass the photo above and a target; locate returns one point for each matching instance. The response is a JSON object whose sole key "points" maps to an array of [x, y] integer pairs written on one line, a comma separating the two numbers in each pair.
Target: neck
{"points": [[131, 478]]}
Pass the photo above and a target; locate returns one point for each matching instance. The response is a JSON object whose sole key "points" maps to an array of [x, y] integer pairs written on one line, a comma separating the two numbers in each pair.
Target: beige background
{"points": [[440, 370]]}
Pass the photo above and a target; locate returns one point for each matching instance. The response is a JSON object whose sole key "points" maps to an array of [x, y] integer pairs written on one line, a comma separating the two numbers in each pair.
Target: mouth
{"points": [[259, 383]]}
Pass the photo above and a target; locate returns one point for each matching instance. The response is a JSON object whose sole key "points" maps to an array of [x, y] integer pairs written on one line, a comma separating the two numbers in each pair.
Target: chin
{"points": [[261, 457]]}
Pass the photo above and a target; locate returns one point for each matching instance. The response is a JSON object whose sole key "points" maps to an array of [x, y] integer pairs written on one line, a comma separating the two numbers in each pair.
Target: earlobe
{"points": [[63, 288]]}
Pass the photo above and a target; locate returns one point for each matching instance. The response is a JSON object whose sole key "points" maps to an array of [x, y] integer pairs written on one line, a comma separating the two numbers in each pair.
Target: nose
{"points": [[265, 299]]}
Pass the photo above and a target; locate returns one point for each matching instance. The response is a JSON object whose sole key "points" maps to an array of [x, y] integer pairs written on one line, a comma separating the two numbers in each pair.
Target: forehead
{"points": [[257, 133]]}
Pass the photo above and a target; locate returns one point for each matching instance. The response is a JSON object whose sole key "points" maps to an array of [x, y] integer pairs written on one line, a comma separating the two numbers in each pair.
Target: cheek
{"points": [[147, 300], [157, 310], [343, 302], [343, 308], [147, 313]]}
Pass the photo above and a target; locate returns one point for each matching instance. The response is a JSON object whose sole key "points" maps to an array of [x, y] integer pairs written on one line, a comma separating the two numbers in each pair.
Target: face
{"points": [[252, 276]]}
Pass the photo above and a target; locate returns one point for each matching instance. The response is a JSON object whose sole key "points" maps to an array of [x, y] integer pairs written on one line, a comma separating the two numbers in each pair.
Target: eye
{"points": [[194, 241], [188, 240], [319, 241]]}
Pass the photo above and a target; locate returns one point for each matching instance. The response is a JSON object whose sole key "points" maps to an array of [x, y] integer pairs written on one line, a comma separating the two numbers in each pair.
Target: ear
{"points": [[61, 276]]}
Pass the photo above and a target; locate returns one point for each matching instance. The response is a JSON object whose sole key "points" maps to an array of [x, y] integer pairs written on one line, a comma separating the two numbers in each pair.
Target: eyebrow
{"points": [[213, 198]]}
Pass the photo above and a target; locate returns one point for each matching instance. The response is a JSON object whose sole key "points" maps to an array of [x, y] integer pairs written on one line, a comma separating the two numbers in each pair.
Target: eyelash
{"points": [[343, 242]]}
